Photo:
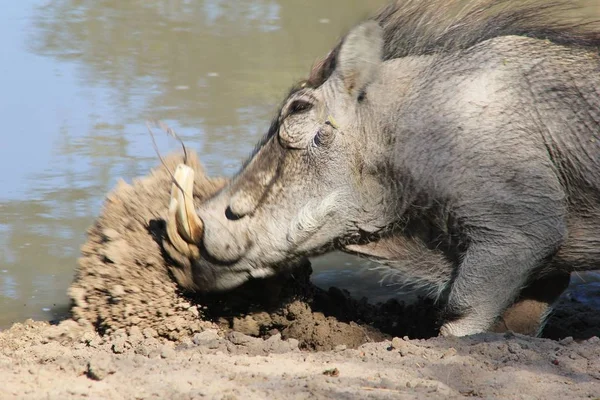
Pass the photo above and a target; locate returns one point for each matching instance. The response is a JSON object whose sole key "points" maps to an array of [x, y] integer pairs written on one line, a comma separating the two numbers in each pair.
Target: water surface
{"points": [[79, 78]]}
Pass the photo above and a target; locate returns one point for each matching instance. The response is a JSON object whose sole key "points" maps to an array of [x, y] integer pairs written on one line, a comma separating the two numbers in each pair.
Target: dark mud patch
{"points": [[124, 283], [292, 306], [571, 318]]}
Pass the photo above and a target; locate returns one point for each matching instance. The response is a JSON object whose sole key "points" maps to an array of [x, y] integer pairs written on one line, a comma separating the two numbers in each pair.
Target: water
{"points": [[79, 78]]}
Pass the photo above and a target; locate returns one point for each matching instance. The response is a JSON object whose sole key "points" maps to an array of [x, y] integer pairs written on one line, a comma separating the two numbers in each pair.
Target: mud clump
{"points": [[122, 280]]}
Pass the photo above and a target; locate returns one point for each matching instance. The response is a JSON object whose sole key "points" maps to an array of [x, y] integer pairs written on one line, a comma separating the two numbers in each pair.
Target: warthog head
{"points": [[312, 184]]}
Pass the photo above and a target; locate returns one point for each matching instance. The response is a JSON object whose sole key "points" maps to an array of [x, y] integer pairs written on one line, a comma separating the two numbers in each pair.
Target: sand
{"points": [[134, 335]]}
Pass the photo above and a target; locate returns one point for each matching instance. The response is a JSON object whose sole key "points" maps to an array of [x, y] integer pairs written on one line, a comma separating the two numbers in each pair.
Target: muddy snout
{"points": [[211, 232], [225, 238]]}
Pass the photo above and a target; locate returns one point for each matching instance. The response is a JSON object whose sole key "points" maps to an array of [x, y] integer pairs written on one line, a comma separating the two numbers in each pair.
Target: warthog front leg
{"points": [[491, 276]]}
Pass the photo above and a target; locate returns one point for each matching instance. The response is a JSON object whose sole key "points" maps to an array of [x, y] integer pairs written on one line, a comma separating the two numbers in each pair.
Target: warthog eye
{"points": [[300, 106]]}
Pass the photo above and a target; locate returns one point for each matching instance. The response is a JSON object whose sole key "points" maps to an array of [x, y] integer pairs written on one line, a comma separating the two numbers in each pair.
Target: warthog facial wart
{"points": [[310, 218]]}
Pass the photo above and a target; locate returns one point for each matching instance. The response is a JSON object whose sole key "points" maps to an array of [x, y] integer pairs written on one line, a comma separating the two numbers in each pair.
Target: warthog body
{"points": [[461, 150]]}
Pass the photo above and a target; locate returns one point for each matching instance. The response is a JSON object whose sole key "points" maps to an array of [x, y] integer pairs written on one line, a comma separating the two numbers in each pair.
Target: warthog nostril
{"points": [[241, 204], [230, 215]]}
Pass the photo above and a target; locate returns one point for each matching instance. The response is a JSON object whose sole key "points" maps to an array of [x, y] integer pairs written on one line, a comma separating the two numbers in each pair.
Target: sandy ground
{"points": [[134, 335], [69, 361]]}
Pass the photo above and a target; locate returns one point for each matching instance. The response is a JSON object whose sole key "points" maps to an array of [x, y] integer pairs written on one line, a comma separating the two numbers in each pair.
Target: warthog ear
{"points": [[360, 56]]}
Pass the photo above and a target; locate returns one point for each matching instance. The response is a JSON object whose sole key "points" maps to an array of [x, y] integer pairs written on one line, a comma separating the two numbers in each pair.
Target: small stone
{"points": [[149, 333], [566, 341], [274, 338], [397, 343], [135, 331], [514, 348], [167, 352], [154, 353], [143, 350], [239, 338], [208, 335], [100, 367], [340, 347], [117, 292], [119, 346], [276, 345], [449, 353], [247, 325], [401, 345], [295, 343], [120, 333], [87, 337]]}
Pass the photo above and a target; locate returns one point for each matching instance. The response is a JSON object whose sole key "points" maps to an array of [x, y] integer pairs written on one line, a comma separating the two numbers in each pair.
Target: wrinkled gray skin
{"points": [[481, 168]]}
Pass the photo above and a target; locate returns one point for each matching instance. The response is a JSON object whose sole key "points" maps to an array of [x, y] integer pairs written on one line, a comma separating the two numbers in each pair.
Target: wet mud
{"points": [[134, 334]]}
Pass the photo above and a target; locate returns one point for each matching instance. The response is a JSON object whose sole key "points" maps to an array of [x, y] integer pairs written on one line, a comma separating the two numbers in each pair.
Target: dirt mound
{"points": [[122, 279]]}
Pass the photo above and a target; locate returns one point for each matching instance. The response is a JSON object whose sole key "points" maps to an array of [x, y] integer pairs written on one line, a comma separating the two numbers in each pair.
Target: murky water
{"points": [[80, 77]]}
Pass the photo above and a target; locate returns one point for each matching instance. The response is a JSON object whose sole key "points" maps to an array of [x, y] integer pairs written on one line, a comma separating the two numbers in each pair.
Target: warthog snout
{"points": [[240, 205], [228, 217], [214, 230], [225, 237]]}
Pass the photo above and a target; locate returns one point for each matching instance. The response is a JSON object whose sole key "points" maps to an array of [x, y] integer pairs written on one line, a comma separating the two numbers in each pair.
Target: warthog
{"points": [[458, 147]]}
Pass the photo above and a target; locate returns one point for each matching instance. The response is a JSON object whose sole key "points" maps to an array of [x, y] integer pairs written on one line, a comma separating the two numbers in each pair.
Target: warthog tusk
{"points": [[180, 245], [183, 224]]}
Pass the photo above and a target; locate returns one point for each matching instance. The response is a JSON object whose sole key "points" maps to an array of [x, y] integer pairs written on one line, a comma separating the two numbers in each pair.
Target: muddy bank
{"points": [[134, 334]]}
